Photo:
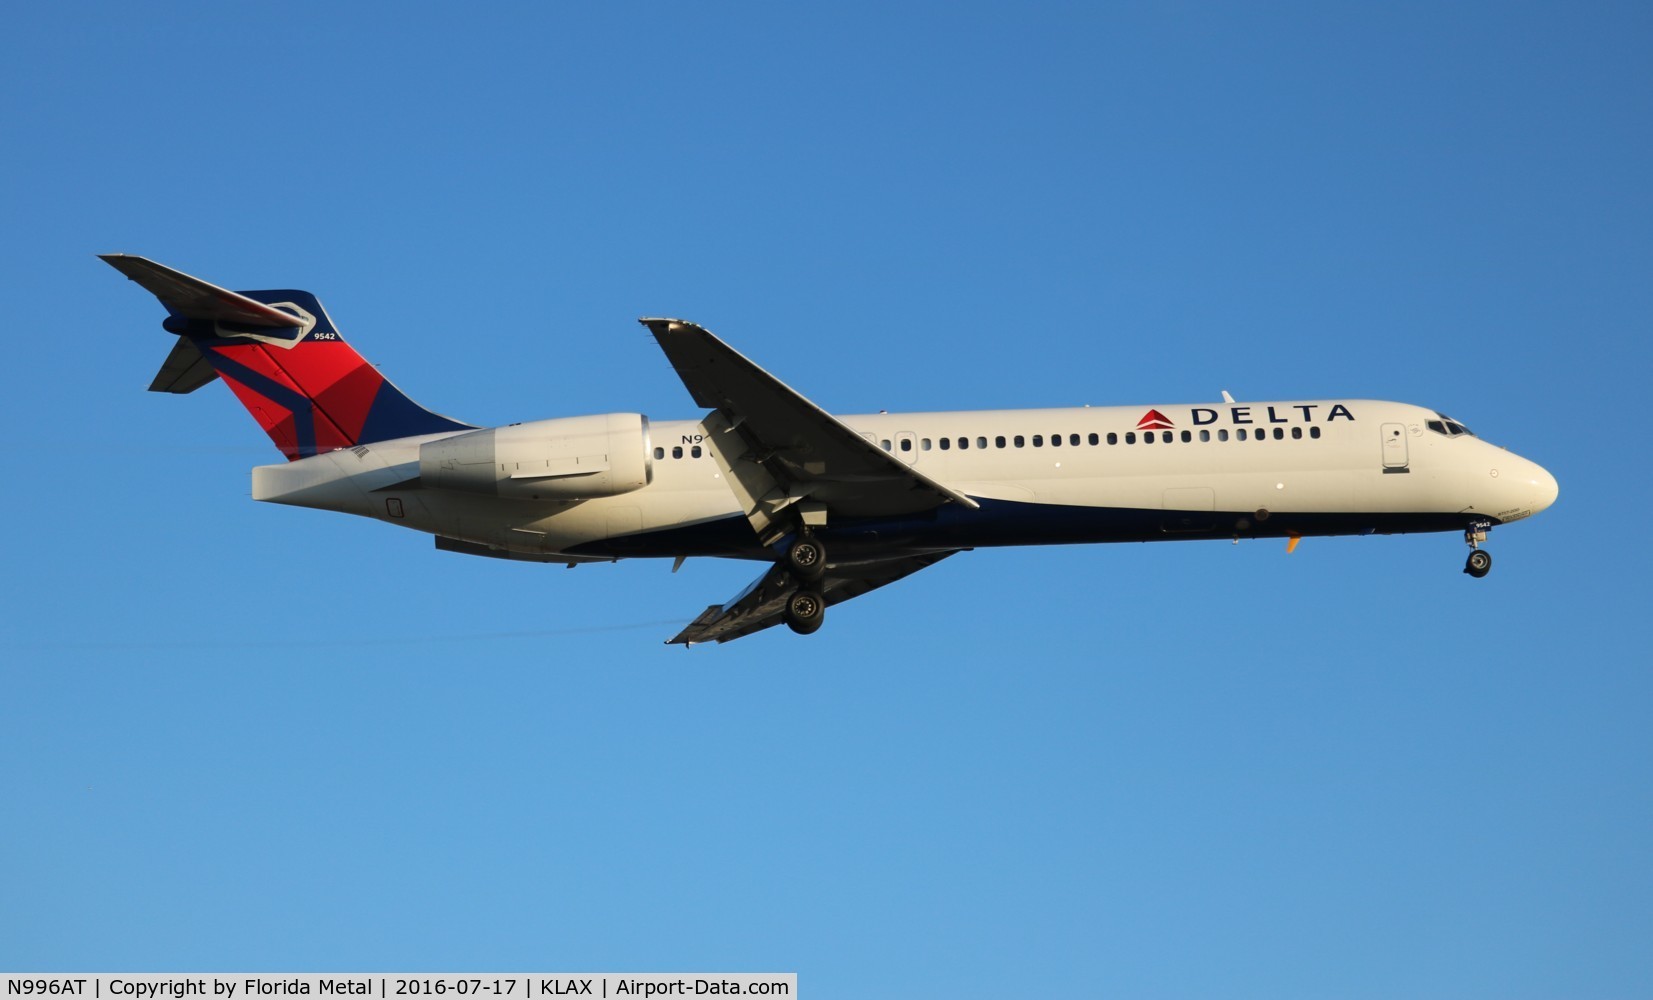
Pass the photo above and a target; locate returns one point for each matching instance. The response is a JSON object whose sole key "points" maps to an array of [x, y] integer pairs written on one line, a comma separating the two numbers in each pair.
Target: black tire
{"points": [[1479, 564], [805, 611], [806, 559]]}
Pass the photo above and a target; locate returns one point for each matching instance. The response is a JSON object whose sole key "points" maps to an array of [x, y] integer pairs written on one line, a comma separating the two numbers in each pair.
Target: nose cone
{"points": [[1545, 488], [1524, 487]]}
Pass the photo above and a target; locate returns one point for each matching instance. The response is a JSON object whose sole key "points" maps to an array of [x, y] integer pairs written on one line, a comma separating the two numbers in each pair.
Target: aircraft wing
{"points": [[763, 602], [788, 449]]}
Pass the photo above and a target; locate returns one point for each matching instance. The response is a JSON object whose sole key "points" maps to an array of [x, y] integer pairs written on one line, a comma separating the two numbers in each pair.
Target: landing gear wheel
{"points": [[806, 559], [805, 611], [1479, 564]]}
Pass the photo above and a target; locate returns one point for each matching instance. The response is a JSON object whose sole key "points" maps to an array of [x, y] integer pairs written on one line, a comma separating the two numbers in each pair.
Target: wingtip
{"points": [[125, 263]]}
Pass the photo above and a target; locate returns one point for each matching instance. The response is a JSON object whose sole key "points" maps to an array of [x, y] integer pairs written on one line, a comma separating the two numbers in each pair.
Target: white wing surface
{"points": [[789, 449]]}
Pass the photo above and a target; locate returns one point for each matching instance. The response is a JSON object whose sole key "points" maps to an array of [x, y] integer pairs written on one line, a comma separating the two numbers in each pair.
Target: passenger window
{"points": [[944, 444], [1130, 437], [659, 452], [1279, 433], [885, 444], [1222, 434], [924, 444], [906, 444], [1239, 435], [998, 442], [1038, 440], [1147, 437], [677, 451], [1314, 432], [1056, 440], [694, 452], [964, 443], [1094, 439], [1113, 438], [981, 442], [1073, 439], [1187, 436], [1205, 435], [1297, 433], [1020, 441]]}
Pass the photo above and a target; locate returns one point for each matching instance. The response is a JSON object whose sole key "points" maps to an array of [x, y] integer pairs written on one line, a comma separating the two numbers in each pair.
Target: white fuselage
{"points": [[1117, 474]]}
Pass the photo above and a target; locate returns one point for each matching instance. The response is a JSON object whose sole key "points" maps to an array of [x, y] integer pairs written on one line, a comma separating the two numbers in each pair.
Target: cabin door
{"points": [[1394, 448]]}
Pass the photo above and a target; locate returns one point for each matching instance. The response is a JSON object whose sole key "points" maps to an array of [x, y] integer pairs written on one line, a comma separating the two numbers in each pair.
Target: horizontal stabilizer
{"points": [[193, 298], [186, 369]]}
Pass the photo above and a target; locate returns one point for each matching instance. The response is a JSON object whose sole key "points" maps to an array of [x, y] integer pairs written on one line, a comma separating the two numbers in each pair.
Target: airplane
{"points": [[835, 507]]}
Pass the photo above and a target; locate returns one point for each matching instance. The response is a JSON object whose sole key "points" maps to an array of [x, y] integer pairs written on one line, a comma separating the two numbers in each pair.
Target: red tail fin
{"points": [[283, 358]]}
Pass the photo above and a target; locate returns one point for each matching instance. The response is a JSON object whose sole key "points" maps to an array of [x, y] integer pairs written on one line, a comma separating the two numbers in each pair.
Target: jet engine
{"points": [[567, 458]]}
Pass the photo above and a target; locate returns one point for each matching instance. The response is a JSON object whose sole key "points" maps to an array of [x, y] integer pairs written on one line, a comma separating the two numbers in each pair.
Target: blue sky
{"points": [[237, 736]]}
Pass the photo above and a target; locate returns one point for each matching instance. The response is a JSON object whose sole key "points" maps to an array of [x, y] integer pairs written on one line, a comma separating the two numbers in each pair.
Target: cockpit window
{"points": [[1446, 425]]}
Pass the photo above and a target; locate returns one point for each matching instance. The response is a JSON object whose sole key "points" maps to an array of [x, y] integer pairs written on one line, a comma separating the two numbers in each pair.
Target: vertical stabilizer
{"points": [[283, 358]]}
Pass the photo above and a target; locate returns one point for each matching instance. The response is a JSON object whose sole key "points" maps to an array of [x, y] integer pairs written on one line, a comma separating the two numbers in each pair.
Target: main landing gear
{"points": [[806, 560], [1480, 560], [805, 611]]}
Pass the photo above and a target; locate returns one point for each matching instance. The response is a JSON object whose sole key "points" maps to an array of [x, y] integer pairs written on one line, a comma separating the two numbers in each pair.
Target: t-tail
{"points": [[283, 358]]}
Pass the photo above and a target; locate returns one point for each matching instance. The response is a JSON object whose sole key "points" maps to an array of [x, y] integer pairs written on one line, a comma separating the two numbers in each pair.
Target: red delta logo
{"points": [[1154, 420]]}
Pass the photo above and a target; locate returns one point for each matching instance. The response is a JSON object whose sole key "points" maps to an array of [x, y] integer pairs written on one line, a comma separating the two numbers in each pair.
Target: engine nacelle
{"points": [[569, 458]]}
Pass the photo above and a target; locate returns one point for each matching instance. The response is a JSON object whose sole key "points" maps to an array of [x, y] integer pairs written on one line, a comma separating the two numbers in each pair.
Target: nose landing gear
{"points": [[1479, 563]]}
